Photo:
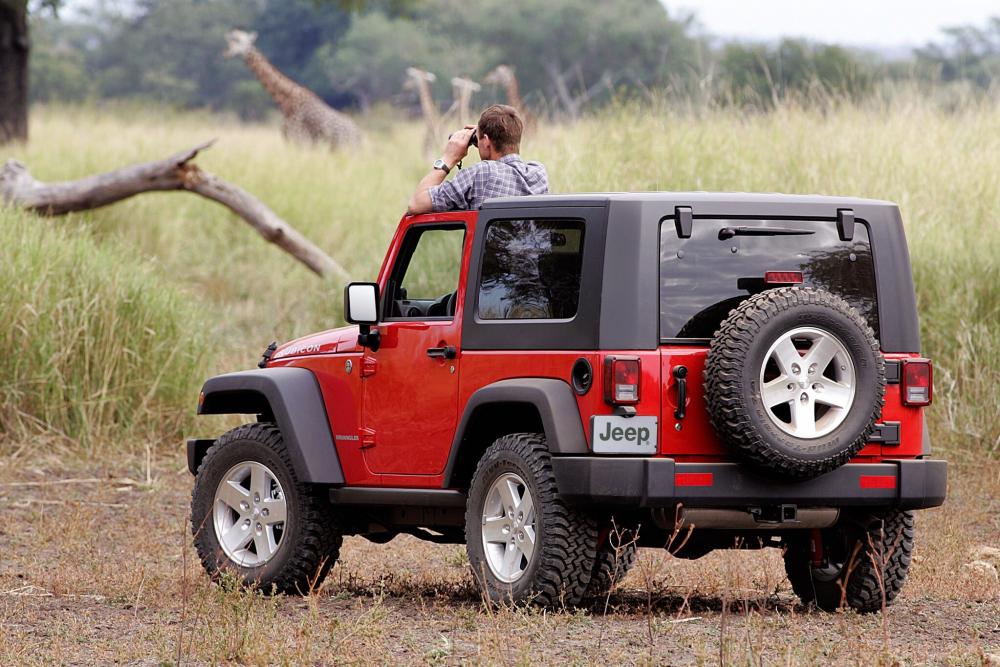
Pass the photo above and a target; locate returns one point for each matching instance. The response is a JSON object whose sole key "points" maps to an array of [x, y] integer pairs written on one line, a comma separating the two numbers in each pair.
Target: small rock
{"points": [[981, 568], [991, 660]]}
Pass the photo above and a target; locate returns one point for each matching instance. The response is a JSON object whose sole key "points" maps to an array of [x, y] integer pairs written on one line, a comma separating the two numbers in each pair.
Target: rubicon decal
{"points": [[295, 350]]}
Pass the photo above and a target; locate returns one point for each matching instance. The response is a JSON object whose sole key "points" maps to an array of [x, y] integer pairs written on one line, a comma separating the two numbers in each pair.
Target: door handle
{"points": [[446, 352], [680, 374]]}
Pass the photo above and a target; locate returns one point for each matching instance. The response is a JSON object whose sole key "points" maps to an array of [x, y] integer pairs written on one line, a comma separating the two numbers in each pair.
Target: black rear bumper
{"points": [[660, 482]]}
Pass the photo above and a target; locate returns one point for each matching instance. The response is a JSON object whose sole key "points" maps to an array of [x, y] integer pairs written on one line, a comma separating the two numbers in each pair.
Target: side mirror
{"points": [[361, 308], [361, 303]]}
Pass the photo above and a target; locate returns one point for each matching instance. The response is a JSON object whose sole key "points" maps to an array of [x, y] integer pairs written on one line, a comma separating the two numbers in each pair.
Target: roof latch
{"points": [[845, 224], [682, 221]]}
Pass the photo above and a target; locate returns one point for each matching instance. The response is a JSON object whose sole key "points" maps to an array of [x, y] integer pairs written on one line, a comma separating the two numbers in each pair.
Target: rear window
{"points": [[531, 270], [702, 278]]}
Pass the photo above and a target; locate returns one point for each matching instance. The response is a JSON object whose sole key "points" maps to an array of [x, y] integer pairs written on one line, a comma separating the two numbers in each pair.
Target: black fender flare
{"points": [[556, 404], [293, 399]]}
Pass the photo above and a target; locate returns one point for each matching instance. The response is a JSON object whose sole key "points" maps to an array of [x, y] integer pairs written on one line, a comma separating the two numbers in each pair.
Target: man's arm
{"points": [[420, 202], [454, 151]]}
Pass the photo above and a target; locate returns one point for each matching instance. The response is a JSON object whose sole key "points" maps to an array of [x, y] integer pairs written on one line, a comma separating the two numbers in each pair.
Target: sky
{"points": [[872, 23]]}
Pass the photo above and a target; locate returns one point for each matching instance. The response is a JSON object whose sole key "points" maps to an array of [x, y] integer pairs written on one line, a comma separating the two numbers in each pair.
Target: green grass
{"points": [[940, 166], [97, 347]]}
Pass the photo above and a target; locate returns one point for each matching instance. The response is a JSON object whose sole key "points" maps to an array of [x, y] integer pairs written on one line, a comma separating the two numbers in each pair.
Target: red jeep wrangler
{"points": [[705, 371]]}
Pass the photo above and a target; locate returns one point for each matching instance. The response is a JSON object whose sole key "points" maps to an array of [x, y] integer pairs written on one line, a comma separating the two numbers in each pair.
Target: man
{"points": [[502, 172]]}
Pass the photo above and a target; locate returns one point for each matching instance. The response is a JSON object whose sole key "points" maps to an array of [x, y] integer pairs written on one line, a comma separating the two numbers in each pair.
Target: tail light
{"points": [[621, 380], [918, 382]]}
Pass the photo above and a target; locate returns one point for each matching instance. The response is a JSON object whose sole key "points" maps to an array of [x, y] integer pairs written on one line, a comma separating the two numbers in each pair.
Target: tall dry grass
{"points": [[942, 166], [98, 350]]}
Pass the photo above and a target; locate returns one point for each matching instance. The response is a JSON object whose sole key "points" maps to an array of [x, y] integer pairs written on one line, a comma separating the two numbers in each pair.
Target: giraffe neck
{"points": [[426, 101], [277, 85], [463, 103], [514, 93]]}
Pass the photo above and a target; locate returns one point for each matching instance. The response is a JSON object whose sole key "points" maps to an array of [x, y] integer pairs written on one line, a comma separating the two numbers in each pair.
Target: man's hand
{"points": [[458, 146]]}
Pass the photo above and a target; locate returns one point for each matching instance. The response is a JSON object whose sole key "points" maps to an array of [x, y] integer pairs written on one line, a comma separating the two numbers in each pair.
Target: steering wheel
{"points": [[444, 306], [438, 308]]}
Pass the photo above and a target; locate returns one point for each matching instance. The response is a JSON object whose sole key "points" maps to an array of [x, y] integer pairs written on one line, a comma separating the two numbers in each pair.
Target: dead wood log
{"points": [[177, 172]]}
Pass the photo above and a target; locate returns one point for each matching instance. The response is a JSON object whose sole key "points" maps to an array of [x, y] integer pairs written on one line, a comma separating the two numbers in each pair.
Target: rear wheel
{"points": [[252, 518], [524, 543], [860, 561], [615, 557]]}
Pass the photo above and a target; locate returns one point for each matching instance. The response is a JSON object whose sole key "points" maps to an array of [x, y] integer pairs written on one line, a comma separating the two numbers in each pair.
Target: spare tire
{"points": [[794, 381]]}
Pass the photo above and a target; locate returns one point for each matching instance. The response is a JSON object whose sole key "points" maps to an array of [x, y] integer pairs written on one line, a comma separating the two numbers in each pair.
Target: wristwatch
{"points": [[442, 165]]}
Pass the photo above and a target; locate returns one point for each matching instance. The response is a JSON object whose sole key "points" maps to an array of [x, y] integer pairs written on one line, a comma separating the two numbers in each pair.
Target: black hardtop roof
{"points": [[692, 199], [629, 276]]}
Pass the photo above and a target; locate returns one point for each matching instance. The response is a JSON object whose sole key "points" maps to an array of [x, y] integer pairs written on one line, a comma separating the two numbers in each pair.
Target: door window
{"points": [[424, 280]]}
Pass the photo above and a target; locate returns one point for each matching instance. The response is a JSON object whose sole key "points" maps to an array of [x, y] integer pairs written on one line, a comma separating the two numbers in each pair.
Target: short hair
{"points": [[503, 125]]}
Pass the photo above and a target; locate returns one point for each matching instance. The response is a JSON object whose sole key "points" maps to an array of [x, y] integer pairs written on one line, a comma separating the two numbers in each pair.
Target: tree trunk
{"points": [[177, 172], [558, 80], [13, 70]]}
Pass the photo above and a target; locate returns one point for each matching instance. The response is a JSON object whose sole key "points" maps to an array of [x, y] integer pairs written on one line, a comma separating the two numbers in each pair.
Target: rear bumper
{"points": [[660, 482]]}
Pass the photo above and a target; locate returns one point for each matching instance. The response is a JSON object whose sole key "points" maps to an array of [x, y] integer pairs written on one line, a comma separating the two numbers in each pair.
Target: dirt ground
{"points": [[96, 567]]}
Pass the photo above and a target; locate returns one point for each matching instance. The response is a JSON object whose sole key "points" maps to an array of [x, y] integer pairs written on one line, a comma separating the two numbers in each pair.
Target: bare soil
{"points": [[96, 566]]}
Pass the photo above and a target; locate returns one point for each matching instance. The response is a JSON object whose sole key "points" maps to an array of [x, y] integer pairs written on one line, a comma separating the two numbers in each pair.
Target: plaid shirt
{"points": [[509, 176]]}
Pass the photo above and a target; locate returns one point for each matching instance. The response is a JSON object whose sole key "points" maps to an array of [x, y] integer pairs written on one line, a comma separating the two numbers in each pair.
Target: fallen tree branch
{"points": [[177, 172]]}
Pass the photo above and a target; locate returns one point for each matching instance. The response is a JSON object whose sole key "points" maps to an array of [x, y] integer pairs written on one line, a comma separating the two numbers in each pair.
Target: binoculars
{"points": [[473, 141]]}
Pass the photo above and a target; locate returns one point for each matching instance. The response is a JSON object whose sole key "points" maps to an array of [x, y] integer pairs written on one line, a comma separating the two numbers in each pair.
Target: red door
{"points": [[411, 382]]}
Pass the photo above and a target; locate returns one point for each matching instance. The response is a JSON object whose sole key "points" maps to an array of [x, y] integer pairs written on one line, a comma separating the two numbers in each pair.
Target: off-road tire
{"points": [[566, 539], [310, 544], [732, 382], [886, 540], [615, 557]]}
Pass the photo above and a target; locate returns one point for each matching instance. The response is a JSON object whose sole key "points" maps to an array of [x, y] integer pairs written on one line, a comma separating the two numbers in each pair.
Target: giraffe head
{"points": [[416, 75], [240, 43], [462, 84], [500, 76]]}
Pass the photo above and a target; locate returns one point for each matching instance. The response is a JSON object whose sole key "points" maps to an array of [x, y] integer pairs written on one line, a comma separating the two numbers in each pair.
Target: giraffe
{"points": [[421, 80], [503, 75], [463, 90], [307, 118]]}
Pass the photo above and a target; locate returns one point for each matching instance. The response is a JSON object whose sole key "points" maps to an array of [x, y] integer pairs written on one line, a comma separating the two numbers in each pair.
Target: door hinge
{"points": [[368, 366], [367, 438]]}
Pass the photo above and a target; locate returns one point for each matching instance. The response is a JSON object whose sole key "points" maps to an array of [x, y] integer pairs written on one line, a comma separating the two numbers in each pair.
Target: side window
{"points": [[425, 277], [531, 270]]}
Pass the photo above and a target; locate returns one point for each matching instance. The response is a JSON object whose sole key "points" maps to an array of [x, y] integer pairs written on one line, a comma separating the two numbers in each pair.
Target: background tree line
{"points": [[568, 55]]}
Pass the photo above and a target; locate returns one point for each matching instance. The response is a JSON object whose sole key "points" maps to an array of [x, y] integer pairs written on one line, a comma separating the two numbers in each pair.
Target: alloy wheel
{"points": [[249, 514], [509, 527]]}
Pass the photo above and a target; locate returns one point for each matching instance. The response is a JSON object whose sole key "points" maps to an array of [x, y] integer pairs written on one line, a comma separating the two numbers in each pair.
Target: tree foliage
{"points": [[567, 54], [969, 53], [760, 75]]}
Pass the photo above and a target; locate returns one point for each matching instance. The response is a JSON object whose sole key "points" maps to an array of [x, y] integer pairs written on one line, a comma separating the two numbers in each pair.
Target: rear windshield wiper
{"points": [[730, 232]]}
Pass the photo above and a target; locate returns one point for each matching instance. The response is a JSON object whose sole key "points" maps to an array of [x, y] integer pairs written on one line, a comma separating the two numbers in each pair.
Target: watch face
{"points": [[439, 164]]}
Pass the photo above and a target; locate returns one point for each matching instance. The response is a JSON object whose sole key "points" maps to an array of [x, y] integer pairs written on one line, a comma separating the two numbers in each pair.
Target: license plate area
{"points": [[611, 434]]}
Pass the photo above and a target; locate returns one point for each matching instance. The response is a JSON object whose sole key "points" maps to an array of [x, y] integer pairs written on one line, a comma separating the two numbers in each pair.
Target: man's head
{"points": [[499, 132]]}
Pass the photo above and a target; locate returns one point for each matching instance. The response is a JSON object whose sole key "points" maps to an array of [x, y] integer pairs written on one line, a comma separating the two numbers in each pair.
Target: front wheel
{"points": [[524, 543], [861, 563], [252, 518]]}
